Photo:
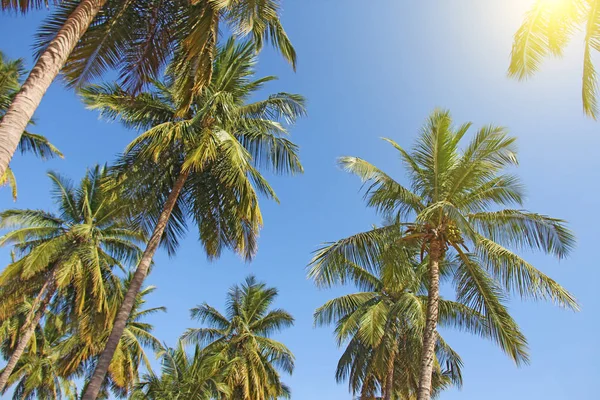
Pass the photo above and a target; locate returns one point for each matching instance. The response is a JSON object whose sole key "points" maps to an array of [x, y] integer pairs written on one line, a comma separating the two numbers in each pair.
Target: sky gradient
{"points": [[369, 70]]}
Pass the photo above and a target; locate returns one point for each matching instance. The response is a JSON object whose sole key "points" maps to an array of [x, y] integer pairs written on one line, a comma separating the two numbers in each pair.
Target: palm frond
{"points": [[479, 291], [545, 31], [9, 179], [38, 145], [383, 192], [328, 265], [519, 276], [523, 229], [589, 91]]}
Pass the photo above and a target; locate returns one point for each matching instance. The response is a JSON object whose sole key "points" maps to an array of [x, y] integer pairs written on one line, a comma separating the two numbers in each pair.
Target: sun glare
{"points": [[556, 5]]}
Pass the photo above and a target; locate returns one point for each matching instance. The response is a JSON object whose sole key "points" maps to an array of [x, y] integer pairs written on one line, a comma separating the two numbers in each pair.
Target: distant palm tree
{"points": [[382, 325], [453, 210], [205, 165], [243, 337], [37, 374], [81, 349], [546, 31], [11, 73], [74, 250], [136, 37], [63, 348], [197, 376]]}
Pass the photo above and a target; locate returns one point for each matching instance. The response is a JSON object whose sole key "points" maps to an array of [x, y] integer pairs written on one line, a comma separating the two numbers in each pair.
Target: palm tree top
{"points": [[462, 188], [223, 143], [247, 311], [90, 234], [243, 336], [455, 204], [86, 207]]}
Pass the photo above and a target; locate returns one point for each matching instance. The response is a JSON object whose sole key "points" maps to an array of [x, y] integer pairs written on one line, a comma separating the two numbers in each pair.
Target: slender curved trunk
{"points": [[43, 73], [95, 383], [389, 379], [38, 308], [436, 255]]}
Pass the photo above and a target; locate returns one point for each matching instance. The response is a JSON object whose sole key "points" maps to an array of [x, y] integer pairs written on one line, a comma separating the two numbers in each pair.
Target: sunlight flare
{"points": [[556, 5]]}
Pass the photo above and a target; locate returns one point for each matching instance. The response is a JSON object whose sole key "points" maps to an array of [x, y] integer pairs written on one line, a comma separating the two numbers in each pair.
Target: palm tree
{"points": [[37, 374], [11, 72], [243, 337], [546, 31], [382, 325], [200, 376], [204, 165], [136, 37], [453, 210], [81, 349], [74, 250], [68, 348]]}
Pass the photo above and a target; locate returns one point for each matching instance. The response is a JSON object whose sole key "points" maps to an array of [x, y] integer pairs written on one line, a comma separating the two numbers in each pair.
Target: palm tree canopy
{"points": [[243, 335], [458, 197], [65, 348], [547, 30], [222, 143], [79, 245], [139, 37], [37, 374], [197, 376]]}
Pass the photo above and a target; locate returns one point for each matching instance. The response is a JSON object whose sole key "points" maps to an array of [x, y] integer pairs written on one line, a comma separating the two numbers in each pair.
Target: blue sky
{"points": [[373, 69]]}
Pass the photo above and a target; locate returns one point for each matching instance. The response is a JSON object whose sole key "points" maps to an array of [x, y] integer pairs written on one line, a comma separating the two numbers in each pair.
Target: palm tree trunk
{"points": [[43, 73], [38, 308], [95, 383], [389, 379], [436, 254]]}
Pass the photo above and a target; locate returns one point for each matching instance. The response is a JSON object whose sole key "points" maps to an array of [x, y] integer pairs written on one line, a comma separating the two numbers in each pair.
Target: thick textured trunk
{"points": [[43, 73], [38, 308], [388, 392], [95, 383], [436, 254]]}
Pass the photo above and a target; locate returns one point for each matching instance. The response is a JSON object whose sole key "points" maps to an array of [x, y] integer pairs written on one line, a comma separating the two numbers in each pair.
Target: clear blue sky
{"points": [[372, 69]]}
